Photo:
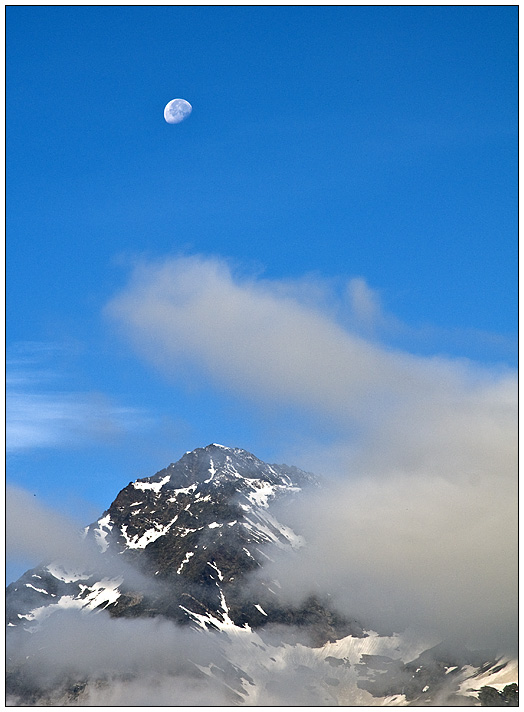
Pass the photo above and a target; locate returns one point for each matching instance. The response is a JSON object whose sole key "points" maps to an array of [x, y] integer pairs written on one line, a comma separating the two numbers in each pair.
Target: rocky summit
{"points": [[175, 556]]}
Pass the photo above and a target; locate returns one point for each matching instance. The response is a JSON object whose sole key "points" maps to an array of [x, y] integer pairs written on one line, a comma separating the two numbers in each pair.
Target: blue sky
{"points": [[346, 172]]}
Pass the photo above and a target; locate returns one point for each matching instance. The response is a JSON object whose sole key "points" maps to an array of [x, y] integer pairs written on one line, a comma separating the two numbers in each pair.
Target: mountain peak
{"points": [[203, 522], [216, 464], [210, 447]]}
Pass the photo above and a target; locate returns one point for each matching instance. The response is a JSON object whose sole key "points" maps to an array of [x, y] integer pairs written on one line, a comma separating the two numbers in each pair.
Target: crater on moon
{"points": [[177, 110]]}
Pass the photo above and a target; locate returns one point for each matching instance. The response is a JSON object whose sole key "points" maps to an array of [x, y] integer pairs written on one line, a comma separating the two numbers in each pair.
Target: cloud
{"points": [[420, 521], [41, 414], [419, 527], [365, 303], [74, 647], [36, 531], [56, 419], [397, 552], [271, 341], [260, 339], [364, 313]]}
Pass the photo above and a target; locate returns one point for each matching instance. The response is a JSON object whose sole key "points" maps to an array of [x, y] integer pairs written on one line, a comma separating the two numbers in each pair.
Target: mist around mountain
{"points": [[185, 591]]}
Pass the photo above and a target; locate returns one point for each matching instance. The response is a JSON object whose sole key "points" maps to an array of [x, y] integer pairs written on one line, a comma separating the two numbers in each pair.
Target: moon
{"points": [[177, 110]]}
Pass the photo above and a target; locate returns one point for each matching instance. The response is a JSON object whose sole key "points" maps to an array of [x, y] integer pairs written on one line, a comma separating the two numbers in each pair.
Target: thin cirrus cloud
{"points": [[39, 414], [426, 448]]}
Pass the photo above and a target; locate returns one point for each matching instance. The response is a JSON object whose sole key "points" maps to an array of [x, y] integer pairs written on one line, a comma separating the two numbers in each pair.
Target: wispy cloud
{"points": [[36, 531], [365, 313], [41, 413]]}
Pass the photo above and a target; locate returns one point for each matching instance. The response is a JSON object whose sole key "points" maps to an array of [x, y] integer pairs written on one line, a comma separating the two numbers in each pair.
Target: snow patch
{"points": [[186, 559], [208, 622], [140, 541], [494, 677], [262, 492], [212, 470], [269, 529], [104, 591], [184, 531], [214, 566], [183, 490], [40, 590], [395, 701], [62, 574], [101, 532], [155, 486]]}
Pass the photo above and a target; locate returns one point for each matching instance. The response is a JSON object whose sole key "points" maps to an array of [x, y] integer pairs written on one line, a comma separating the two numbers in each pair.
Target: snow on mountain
{"points": [[180, 547], [204, 520]]}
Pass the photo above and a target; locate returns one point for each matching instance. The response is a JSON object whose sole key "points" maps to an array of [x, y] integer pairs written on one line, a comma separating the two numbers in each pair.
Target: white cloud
{"points": [[269, 342], [365, 303], [39, 533], [260, 340], [422, 516]]}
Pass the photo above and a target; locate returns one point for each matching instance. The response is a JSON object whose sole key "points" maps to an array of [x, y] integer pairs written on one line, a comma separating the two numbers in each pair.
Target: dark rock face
{"points": [[197, 529], [194, 531], [508, 697], [425, 678]]}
